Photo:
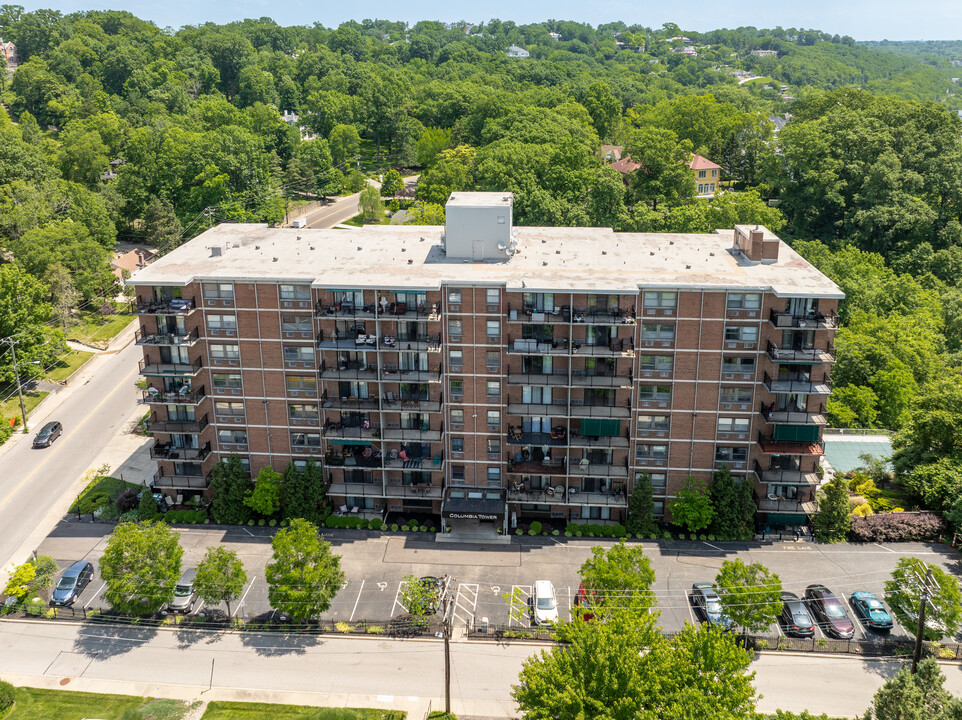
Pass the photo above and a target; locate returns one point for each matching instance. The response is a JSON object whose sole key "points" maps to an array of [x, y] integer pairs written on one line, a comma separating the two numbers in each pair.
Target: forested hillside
{"points": [[866, 182]]}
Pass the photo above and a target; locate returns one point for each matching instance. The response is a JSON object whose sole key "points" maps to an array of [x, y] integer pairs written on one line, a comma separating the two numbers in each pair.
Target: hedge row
{"points": [[897, 527], [588, 530], [351, 522], [185, 516]]}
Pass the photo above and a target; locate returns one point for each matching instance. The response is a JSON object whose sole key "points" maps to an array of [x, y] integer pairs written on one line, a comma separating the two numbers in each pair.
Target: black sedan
{"points": [[795, 618]]}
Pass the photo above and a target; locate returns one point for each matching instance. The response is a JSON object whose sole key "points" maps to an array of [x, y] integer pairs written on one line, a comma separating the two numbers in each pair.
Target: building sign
{"points": [[471, 516]]}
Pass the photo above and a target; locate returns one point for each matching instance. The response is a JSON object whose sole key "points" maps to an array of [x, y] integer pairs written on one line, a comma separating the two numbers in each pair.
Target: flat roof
{"points": [[548, 259], [479, 199]]}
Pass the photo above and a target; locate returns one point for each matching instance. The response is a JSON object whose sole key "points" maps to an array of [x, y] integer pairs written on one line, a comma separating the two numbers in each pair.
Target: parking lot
{"points": [[482, 576]]}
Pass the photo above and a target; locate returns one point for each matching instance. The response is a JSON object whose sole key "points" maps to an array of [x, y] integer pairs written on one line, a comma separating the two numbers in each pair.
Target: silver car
{"points": [[184, 593]]}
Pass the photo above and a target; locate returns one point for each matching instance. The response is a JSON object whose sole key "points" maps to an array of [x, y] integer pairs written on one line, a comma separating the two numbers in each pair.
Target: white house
{"points": [[517, 52]]}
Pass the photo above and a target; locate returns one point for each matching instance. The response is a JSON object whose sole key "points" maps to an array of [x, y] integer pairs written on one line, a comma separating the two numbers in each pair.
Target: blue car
{"points": [[74, 579], [871, 611]]}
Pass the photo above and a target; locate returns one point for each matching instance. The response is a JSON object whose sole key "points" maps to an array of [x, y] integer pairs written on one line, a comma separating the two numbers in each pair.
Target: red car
{"points": [[829, 612]]}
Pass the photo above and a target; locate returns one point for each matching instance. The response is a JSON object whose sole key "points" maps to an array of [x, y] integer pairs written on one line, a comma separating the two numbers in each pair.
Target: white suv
{"points": [[544, 603]]}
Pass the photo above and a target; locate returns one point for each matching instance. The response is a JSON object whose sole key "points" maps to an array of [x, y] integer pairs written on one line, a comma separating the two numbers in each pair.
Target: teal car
{"points": [[870, 610]]}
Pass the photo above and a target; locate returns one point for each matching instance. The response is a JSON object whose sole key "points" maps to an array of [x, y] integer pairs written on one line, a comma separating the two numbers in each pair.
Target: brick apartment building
{"points": [[491, 372]]}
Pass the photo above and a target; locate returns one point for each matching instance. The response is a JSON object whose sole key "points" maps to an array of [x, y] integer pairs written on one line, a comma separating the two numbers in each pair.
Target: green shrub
{"points": [[394, 527], [554, 532], [422, 528], [272, 523], [250, 523], [666, 536], [534, 528], [519, 531], [681, 536], [147, 508], [441, 715], [567, 533], [260, 522], [619, 531], [7, 696], [433, 529], [93, 502]]}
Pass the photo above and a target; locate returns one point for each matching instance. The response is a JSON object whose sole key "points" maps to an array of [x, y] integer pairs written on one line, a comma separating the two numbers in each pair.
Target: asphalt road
{"points": [[34, 483], [337, 212], [372, 672]]}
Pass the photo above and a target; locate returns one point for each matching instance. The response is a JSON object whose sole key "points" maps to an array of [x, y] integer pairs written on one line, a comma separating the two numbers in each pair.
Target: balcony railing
{"points": [[406, 434], [790, 447], [817, 320], [782, 476], [335, 459], [165, 306], [616, 410], [166, 451], [180, 482], [597, 442], [573, 496], [793, 417], [158, 369], [580, 378], [407, 376], [808, 356], [336, 429], [544, 317], [553, 466], [349, 403], [559, 408], [802, 503], [185, 396], [352, 370], [142, 337], [616, 347], [176, 425], [557, 439], [345, 310], [385, 311], [396, 404], [603, 317], [519, 378], [533, 346], [798, 384], [590, 469]]}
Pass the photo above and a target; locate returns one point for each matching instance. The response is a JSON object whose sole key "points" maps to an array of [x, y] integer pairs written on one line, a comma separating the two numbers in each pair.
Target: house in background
{"points": [[765, 53], [517, 52], [9, 51], [611, 153], [707, 175], [131, 261]]}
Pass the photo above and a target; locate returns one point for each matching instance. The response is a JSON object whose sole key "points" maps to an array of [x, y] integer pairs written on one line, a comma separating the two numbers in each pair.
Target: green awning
{"points": [[339, 441], [600, 428], [796, 433]]}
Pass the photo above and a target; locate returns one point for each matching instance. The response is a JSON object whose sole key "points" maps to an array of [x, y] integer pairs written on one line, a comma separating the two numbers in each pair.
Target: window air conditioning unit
{"points": [[288, 304]]}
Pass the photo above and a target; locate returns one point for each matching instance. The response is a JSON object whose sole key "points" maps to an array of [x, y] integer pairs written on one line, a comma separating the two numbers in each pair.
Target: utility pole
{"points": [[925, 584], [446, 631], [16, 373]]}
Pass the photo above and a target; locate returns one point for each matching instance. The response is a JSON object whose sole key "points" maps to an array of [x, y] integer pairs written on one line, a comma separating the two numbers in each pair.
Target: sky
{"points": [[862, 19]]}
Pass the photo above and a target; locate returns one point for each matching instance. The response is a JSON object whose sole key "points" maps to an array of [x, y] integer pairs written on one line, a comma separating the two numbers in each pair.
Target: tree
{"points": [[618, 580], [641, 508], [692, 508], [734, 508], [903, 593], [220, 577], [664, 175], [45, 568], [304, 575], [421, 213], [147, 507], [604, 108], [372, 207], [230, 482], [141, 566], [432, 141], [419, 598], [265, 497], [63, 295], [750, 594], [345, 144], [392, 184], [834, 519], [624, 669], [162, 229], [452, 170], [18, 585], [915, 696], [303, 493]]}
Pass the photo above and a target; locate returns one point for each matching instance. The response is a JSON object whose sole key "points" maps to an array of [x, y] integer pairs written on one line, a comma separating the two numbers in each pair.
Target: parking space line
{"points": [[397, 601], [240, 604], [527, 606], [468, 607], [359, 591], [199, 608], [691, 612], [94, 596]]}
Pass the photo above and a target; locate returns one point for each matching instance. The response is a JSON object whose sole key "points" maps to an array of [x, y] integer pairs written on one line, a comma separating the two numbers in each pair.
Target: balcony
{"points": [[539, 409], [816, 320], [558, 496], [559, 438], [179, 482], [152, 369], [390, 374], [352, 370], [542, 317], [782, 476], [428, 491], [586, 468], [579, 378], [531, 346], [793, 417], [548, 466], [618, 347], [801, 504], [790, 447], [142, 337], [802, 356], [798, 384], [597, 442], [580, 410], [371, 432], [335, 459], [345, 310], [185, 396], [351, 403], [410, 434], [176, 425], [592, 316], [165, 306], [166, 451], [396, 404], [518, 378], [430, 343]]}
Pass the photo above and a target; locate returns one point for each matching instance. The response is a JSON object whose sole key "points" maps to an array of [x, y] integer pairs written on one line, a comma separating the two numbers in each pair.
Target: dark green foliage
{"points": [[918, 696], [230, 483], [834, 515], [147, 509], [641, 508], [734, 507], [303, 493], [128, 500], [7, 696]]}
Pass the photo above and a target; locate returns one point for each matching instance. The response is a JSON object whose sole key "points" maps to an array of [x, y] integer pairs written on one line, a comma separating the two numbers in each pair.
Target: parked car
{"points": [[795, 616], [184, 595], [830, 613], [73, 581], [544, 603], [48, 433], [871, 610], [704, 597]]}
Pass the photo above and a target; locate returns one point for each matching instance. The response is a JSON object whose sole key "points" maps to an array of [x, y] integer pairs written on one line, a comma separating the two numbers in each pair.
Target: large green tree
{"points": [[230, 482], [220, 577], [617, 580], [734, 507], [903, 593], [915, 696], [692, 507], [303, 575], [641, 508], [750, 594], [140, 566], [834, 518]]}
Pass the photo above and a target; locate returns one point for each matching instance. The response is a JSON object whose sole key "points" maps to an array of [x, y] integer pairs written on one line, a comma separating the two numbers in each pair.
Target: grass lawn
{"points": [[36, 704], [110, 485], [66, 366], [11, 407], [268, 711], [358, 221], [92, 327]]}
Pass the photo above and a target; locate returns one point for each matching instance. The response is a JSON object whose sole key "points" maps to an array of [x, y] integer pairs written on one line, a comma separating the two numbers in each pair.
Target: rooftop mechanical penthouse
{"points": [[483, 371]]}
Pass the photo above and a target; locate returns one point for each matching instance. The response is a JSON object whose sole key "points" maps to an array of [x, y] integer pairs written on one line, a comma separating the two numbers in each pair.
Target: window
{"points": [[457, 388], [297, 323], [595, 513], [232, 437], [652, 422], [658, 508], [454, 296], [454, 330], [295, 292], [457, 473], [221, 351], [744, 301], [738, 365], [702, 174], [741, 333], [734, 425], [457, 444], [301, 382], [457, 417], [701, 189], [493, 360], [493, 389], [493, 330], [652, 453], [457, 359], [226, 381], [657, 363], [731, 454], [660, 299], [218, 291], [659, 393], [659, 481], [494, 446], [299, 353], [494, 476], [221, 322], [302, 411], [244, 461], [731, 394], [225, 408], [305, 440], [494, 418], [714, 173], [711, 187], [654, 331], [493, 298]]}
